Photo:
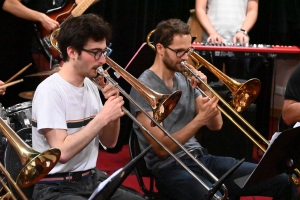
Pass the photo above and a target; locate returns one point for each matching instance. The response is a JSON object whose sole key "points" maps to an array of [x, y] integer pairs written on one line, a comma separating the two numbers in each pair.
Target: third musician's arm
{"points": [[291, 112], [16, 8]]}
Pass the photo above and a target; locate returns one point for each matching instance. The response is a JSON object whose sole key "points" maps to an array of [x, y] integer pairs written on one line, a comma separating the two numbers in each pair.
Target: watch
{"points": [[243, 31]]}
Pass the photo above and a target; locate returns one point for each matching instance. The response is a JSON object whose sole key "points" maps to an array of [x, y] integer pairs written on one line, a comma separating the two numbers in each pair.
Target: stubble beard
{"points": [[84, 69], [170, 65]]}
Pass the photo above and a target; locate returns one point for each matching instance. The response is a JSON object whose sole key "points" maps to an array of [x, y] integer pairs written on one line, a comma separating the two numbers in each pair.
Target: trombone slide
{"points": [[156, 123]]}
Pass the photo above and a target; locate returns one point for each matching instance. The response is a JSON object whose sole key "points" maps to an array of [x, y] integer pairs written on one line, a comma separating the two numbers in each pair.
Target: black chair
{"points": [[141, 170], [281, 126], [13, 163]]}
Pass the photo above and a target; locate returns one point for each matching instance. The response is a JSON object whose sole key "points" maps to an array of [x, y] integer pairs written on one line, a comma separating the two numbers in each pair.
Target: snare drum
{"points": [[20, 114]]}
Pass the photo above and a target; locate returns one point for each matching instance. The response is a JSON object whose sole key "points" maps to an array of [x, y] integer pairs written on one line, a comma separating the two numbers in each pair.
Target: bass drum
{"points": [[12, 161], [3, 140]]}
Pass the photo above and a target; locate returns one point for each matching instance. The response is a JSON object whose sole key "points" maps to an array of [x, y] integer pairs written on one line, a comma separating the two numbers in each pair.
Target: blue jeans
{"points": [[174, 182], [79, 190]]}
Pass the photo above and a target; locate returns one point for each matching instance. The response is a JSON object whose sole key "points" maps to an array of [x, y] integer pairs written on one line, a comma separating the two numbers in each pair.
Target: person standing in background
{"points": [[227, 22]]}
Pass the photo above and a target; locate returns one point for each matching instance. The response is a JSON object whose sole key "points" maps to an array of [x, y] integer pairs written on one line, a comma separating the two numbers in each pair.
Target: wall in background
{"points": [[282, 72]]}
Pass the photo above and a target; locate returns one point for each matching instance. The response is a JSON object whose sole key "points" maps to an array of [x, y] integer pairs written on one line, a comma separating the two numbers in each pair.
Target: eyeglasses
{"points": [[180, 53], [98, 54]]}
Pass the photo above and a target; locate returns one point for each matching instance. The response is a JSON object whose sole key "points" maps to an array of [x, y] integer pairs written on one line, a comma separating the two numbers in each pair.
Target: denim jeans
{"points": [[174, 182], [79, 190]]}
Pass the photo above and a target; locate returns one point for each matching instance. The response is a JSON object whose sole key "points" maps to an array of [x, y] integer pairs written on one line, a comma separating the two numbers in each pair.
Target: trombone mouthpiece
{"points": [[183, 63]]}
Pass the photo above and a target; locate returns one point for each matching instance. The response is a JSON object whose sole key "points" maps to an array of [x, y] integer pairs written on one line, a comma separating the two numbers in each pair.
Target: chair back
{"points": [[141, 169]]}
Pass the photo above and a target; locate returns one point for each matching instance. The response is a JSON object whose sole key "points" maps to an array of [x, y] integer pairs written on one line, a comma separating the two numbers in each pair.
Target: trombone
{"points": [[9, 194], [37, 165], [162, 105], [244, 95]]}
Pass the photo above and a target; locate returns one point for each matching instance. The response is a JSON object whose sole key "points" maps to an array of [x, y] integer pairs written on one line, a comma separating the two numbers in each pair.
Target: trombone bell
{"points": [[38, 167], [166, 106], [162, 104], [38, 164], [246, 94]]}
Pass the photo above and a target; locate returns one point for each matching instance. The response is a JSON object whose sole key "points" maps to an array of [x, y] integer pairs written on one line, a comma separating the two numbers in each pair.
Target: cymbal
{"points": [[27, 95], [46, 73]]}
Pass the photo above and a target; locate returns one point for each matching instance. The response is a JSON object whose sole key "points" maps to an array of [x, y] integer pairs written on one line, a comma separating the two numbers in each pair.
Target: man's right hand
{"points": [[207, 108], [112, 108], [215, 38], [48, 23]]}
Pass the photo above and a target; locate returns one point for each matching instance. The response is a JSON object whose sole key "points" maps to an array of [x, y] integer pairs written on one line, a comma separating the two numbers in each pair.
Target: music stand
{"points": [[216, 186], [281, 156], [107, 188]]}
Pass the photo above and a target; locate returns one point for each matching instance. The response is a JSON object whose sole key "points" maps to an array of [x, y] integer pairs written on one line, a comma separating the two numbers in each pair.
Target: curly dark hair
{"points": [[166, 30], [76, 31]]}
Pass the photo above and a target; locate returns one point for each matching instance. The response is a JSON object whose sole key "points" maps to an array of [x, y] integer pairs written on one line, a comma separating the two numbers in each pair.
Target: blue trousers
{"points": [[79, 190], [174, 182]]}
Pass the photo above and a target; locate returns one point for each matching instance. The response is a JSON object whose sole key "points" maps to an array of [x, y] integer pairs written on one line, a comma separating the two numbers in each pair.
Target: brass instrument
{"points": [[140, 88], [244, 94], [9, 194], [37, 165], [162, 105]]}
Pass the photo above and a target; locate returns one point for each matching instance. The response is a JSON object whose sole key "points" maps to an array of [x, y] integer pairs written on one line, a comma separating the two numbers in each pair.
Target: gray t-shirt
{"points": [[181, 115]]}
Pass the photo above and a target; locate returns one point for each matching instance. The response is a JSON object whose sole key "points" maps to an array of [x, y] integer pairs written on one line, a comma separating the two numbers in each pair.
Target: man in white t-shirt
{"points": [[68, 114], [227, 22]]}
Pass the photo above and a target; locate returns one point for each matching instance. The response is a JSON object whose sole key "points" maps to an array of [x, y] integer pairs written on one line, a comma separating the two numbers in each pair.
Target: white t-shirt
{"points": [[58, 104], [226, 16]]}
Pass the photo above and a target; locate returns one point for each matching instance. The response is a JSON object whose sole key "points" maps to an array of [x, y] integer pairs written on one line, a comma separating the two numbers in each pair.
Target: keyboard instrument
{"points": [[252, 50]]}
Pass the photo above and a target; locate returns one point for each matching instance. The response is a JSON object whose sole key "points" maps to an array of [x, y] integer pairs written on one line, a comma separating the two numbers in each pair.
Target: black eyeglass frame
{"points": [[190, 49], [98, 54]]}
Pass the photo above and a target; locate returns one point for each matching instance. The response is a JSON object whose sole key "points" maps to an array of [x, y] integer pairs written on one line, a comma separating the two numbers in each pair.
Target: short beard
{"points": [[169, 64]]}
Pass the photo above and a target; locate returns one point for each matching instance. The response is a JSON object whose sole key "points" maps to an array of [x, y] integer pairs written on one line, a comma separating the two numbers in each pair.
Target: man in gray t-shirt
{"points": [[172, 41]]}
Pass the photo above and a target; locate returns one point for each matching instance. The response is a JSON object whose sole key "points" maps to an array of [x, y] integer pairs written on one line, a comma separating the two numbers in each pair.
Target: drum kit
{"points": [[18, 116]]}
